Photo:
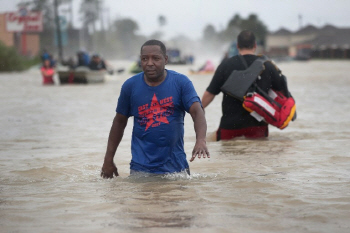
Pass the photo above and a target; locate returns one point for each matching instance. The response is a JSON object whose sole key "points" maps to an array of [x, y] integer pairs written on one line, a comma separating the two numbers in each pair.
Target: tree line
{"points": [[120, 38]]}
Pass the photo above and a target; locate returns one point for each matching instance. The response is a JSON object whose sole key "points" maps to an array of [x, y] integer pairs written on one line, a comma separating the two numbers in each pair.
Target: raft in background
{"points": [[81, 75], [201, 72]]}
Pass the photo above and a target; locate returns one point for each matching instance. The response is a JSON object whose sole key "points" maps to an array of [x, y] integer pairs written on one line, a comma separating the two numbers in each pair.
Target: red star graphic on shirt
{"points": [[155, 113]]}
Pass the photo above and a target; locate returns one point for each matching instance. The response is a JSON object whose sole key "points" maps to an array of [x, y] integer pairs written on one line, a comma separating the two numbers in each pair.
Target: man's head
{"points": [[155, 42], [153, 59], [96, 58], [246, 40]]}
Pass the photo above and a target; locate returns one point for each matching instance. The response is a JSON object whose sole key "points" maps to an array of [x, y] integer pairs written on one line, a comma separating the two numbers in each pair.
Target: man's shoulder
{"points": [[177, 77], [232, 61], [175, 73], [133, 79]]}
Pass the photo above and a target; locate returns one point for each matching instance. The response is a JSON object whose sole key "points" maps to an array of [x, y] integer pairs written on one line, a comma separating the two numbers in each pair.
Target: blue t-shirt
{"points": [[157, 144]]}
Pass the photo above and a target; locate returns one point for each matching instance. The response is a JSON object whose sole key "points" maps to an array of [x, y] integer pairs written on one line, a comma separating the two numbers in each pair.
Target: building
{"points": [[310, 42], [27, 43], [6, 37]]}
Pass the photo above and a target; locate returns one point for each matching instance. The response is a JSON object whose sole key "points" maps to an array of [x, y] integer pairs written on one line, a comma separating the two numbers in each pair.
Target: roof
{"points": [[307, 30], [326, 36], [282, 32], [331, 37], [329, 28]]}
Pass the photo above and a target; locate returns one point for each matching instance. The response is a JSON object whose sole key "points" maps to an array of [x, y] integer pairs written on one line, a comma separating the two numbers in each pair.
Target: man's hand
{"points": [[108, 169], [115, 136], [200, 150], [200, 126]]}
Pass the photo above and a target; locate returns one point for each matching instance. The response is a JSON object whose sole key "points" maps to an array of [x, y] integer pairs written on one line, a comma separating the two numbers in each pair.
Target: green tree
{"points": [[126, 27], [90, 10], [162, 20], [210, 38], [251, 23], [255, 25], [11, 60], [159, 34], [46, 7], [209, 32], [126, 36], [235, 21]]}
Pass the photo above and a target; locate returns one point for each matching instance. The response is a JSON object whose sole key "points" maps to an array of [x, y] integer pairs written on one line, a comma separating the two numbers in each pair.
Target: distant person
{"points": [[208, 67], [47, 56], [71, 63], [157, 99], [136, 67], [47, 72], [233, 50], [83, 58], [191, 59], [97, 63], [237, 121]]}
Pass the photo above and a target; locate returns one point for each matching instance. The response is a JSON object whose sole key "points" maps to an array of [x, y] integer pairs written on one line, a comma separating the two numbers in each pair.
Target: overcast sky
{"points": [[189, 17]]}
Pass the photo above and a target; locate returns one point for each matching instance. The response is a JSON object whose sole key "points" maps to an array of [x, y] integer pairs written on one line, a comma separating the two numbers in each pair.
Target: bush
{"points": [[10, 60]]}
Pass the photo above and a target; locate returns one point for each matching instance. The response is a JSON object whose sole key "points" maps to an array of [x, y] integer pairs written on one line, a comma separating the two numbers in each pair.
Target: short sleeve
{"points": [[123, 106], [189, 95], [217, 81]]}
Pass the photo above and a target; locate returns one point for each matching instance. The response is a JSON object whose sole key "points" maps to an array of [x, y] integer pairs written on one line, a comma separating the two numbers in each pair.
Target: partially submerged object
{"points": [[207, 68], [201, 72], [81, 75]]}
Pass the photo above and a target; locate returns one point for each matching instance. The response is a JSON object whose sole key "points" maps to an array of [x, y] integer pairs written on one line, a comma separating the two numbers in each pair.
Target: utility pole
{"points": [[58, 33], [102, 23], [71, 13]]}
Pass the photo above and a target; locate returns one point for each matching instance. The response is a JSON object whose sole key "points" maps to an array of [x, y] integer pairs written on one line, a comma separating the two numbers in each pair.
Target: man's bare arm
{"points": [[115, 136], [200, 127], [207, 98]]}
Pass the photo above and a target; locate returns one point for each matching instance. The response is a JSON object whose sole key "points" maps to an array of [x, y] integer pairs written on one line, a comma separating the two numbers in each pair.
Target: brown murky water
{"points": [[53, 139]]}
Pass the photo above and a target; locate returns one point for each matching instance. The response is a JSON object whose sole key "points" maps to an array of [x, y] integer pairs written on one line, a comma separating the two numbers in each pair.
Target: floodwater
{"points": [[53, 139]]}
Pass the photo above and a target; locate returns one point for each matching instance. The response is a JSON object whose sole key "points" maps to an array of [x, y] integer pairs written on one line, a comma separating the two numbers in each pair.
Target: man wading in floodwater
{"points": [[157, 98], [237, 121]]}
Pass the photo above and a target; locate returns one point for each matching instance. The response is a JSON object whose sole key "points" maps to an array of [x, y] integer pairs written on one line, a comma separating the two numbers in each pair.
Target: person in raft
{"points": [[158, 99], [237, 121], [97, 63], [47, 72]]}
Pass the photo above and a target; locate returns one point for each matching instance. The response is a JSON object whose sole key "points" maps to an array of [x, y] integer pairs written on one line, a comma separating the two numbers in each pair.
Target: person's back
{"points": [[234, 115], [237, 121]]}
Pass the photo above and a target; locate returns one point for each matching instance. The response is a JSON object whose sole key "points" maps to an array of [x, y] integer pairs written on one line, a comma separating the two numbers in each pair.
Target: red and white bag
{"points": [[278, 112]]}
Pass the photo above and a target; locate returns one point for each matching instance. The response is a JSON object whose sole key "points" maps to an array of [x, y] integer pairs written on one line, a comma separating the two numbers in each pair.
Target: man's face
{"points": [[96, 59], [153, 61]]}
